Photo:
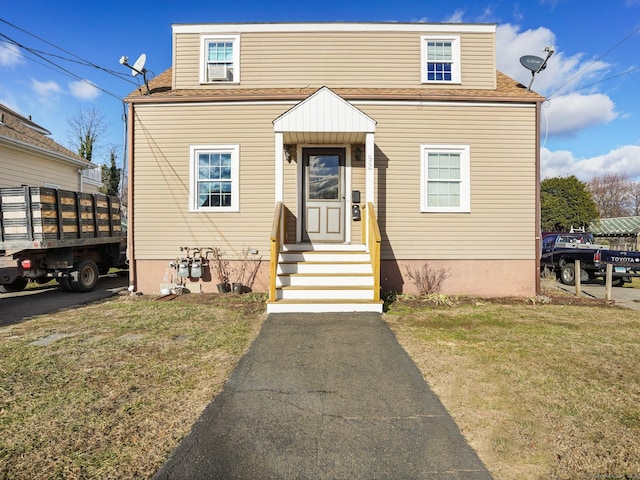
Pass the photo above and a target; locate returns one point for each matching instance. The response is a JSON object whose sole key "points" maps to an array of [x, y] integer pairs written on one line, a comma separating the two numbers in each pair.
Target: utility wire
{"points": [[595, 83], [82, 60], [122, 76], [62, 69], [579, 73], [4, 43]]}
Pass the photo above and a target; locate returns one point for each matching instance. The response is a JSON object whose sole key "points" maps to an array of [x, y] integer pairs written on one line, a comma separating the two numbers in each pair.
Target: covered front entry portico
{"points": [[320, 134], [321, 259]]}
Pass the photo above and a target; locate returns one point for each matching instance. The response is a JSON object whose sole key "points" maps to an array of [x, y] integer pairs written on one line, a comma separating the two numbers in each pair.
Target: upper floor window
{"points": [[445, 178], [220, 59], [214, 178], [440, 59]]}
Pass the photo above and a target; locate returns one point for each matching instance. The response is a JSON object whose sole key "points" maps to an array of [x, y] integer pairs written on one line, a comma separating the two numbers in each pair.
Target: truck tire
{"points": [[16, 286], [568, 274], [65, 284], [87, 276], [617, 282]]}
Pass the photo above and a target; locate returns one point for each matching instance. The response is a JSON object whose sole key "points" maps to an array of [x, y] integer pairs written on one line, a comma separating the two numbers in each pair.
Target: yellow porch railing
{"points": [[371, 238], [278, 238]]}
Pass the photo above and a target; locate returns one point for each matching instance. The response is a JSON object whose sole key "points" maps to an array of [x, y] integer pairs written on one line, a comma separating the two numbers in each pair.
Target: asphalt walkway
{"points": [[325, 396]]}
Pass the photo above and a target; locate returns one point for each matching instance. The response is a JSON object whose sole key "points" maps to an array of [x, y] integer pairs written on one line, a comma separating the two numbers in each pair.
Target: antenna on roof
{"points": [[137, 68], [536, 64]]}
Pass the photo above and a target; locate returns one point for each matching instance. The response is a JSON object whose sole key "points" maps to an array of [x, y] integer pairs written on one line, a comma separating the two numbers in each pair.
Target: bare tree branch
{"points": [[614, 195]]}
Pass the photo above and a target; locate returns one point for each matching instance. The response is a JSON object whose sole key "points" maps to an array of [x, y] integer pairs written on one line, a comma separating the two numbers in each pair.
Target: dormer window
{"points": [[440, 59], [220, 59]]}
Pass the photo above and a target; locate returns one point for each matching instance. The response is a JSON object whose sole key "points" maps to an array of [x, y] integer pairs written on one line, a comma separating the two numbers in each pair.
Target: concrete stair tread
{"points": [[326, 287], [322, 275], [326, 301]]}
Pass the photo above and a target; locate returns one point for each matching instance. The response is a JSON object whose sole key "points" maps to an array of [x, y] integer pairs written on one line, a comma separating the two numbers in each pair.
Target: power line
{"points": [[120, 75], [81, 60], [62, 69], [579, 73], [595, 83]]}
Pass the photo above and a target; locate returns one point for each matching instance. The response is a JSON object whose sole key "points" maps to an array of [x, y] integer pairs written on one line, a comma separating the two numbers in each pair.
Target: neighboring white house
{"points": [[28, 156]]}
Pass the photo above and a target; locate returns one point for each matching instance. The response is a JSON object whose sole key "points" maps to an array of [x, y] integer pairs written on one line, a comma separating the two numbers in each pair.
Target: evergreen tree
{"points": [[566, 202], [111, 175]]}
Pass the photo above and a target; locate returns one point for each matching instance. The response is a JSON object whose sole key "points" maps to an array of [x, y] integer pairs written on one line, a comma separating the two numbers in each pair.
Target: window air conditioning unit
{"points": [[219, 72]]}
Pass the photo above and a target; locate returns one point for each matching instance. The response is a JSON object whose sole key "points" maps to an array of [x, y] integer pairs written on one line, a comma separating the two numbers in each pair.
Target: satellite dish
{"points": [[533, 63], [138, 67], [536, 64]]}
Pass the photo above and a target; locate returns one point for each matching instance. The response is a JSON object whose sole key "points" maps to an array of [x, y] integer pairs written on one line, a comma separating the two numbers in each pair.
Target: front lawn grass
{"points": [[108, 390], [540, 391]]}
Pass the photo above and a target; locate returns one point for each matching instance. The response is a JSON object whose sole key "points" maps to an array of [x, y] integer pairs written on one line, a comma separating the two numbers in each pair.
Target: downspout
{"points": [[133, 283], [538, 206], [80, 182]]}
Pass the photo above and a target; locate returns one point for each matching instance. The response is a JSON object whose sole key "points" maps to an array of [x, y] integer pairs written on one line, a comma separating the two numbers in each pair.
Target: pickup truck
{"points": [[560, 250], [47, 234]]}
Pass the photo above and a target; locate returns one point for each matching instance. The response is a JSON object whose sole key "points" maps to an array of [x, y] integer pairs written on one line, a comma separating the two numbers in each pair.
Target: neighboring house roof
{"points": [[617, 226], [507, 89], [22, 133]]}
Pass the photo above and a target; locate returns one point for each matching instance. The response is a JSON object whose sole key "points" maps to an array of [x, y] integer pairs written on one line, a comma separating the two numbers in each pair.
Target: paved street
{"points": [[624, 296], [19, 306]]}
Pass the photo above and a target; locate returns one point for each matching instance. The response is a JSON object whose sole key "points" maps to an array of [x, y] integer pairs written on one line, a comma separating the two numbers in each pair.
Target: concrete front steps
{"points": [[324, 278]]}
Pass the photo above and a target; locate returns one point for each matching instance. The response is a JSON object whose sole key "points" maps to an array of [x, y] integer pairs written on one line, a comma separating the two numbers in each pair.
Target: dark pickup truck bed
{"points": [[561, 250]]}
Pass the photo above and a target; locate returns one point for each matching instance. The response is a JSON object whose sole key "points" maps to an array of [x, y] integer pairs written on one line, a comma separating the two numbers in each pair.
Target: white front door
{"points": [[324, 195]]}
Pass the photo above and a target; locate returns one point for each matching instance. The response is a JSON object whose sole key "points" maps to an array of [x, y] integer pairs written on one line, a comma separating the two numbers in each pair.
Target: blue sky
{"points": [[590, 123]]}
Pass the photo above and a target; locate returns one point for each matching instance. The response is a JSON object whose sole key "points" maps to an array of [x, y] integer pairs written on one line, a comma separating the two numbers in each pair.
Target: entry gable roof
{"points": [[324, 111]]}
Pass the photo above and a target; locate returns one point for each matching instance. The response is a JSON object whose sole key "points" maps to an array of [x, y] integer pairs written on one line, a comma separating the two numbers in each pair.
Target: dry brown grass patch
{"points": [[108, 390], [540, 391]]}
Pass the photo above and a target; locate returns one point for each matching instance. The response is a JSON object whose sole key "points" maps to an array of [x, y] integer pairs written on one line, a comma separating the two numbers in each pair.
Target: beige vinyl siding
{"points": [[162, 221], [290, 196], [18, 167], [357, 183], [501, 224], [336, 59], [502, 140]]}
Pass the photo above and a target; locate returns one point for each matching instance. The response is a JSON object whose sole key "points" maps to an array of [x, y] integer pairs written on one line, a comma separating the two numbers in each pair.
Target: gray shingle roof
{"points": [[16, 128]]}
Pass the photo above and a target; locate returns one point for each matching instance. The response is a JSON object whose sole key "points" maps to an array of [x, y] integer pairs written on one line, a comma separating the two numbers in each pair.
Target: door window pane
{"points": [[323, 177]]}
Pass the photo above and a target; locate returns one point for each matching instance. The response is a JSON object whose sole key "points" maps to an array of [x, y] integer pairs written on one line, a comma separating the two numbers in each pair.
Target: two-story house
{"points": [[345, 154], [29, 156]]}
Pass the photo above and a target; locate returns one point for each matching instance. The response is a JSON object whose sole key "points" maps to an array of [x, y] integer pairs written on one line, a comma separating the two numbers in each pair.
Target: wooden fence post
{"points": [[608, 281], [577, 275]]}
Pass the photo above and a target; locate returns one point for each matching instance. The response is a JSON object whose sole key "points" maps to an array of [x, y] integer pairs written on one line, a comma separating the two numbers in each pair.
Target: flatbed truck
{"points": [[46, 234]]}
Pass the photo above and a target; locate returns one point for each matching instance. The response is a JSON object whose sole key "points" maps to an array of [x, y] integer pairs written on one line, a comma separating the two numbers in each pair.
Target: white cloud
{"points": [[569, 113], [562, 163], [564, 116], [563, 72], [84, 90], [455, 17], [45, 89], [10, 55]]}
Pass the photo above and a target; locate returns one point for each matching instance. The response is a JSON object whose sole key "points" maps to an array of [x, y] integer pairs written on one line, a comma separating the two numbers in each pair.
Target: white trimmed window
{"points": [[445, 178], [440, 59], [220, 59], [214, 185]]}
